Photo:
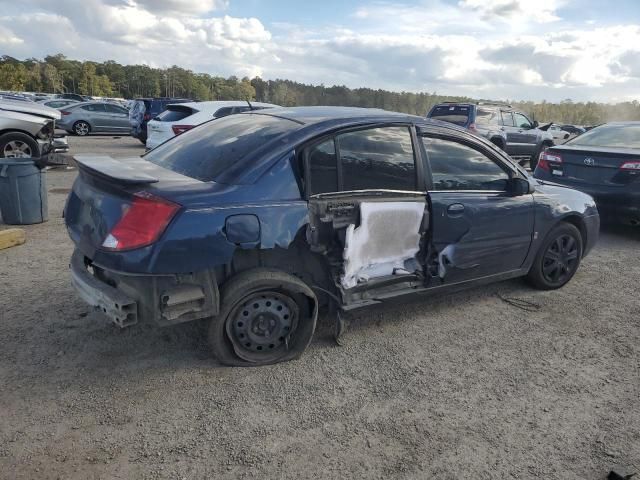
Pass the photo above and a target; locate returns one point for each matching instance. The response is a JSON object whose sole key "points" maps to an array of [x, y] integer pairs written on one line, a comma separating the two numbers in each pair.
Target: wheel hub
{"points": [[262, 322], [560, 258]]}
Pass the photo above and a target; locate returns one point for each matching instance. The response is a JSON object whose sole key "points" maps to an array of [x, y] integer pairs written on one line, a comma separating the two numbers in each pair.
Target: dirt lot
{"points": [[462, 386]]}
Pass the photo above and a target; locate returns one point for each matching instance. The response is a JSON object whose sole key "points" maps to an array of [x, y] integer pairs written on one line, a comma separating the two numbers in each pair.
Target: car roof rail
{"points": [[495, 104]]}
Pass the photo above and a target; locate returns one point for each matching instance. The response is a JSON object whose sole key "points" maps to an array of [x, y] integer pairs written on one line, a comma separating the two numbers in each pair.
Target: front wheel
{"points": [[558, 258], [18, 145], [266, 316]]}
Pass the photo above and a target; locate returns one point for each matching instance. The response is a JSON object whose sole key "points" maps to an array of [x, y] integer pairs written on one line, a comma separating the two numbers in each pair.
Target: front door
{"points": [[527, 132], [478, 227]]}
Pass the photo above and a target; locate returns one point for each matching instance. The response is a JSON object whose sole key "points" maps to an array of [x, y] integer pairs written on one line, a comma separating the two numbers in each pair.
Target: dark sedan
{"points": [[254, 221], [603, 162]]}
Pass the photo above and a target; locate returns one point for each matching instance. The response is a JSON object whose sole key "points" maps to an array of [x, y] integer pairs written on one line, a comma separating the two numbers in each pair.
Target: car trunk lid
{"points": [[105, 191], [596, 165]]}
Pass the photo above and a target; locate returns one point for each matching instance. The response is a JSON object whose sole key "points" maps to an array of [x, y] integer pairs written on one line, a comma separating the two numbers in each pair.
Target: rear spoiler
{"points": [[112, 169]]}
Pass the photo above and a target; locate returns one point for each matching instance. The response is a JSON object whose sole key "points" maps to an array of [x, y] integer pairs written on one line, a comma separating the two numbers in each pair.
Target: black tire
{"points": [[557, 259], [533, 161], [18, 144], [266, 317], [81, 128]]}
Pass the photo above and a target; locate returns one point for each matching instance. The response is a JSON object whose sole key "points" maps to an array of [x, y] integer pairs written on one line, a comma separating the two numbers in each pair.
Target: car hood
{"points": [[31, 108]]}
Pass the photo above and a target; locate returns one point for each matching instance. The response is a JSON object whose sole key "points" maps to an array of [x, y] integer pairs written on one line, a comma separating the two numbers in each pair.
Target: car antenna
{"points": [[250, 106]]}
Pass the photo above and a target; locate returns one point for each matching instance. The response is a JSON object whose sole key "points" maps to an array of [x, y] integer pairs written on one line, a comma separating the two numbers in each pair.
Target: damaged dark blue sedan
{"points": [[257, 220]]}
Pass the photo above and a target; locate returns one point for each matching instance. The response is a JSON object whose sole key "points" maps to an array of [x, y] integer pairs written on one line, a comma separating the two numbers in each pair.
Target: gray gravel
{"points": [[462, 386]]}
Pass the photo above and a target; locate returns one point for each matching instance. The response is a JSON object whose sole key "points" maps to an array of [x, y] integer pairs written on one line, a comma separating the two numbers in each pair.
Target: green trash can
{"points": [[23, 192]]}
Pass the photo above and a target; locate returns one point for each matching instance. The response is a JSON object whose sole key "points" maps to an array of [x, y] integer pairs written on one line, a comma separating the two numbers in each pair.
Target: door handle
{"points": [[455, 208]]}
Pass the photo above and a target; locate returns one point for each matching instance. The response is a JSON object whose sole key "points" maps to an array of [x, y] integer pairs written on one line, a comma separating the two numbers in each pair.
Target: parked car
{"points": [[181, 117], [59, 104], [505, 127], [26, 129], [603, 162], [94, 117], [255, 220], [559, 134], [573, 129], [74, 96], [142, 110]]}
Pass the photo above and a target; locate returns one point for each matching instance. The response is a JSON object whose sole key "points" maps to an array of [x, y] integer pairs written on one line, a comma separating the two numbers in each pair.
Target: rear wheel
{"points": [[266, 316], [558, 259], [18, 145], [81, 128]]}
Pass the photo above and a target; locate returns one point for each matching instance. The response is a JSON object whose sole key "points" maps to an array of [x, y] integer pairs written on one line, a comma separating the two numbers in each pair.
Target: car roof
{"points": [[316, 115], [215, 104]]}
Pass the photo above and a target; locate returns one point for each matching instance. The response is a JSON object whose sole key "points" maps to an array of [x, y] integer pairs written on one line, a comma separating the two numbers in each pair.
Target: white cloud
{"points": [[494, 49], [538, 11]]}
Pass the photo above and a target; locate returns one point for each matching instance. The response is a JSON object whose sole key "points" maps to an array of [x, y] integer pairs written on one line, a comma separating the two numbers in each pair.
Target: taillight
{"points": [[635, 165], [64, 112], [473, 128], [142, 224], [178, 129], [545, 160], [146, 117]]}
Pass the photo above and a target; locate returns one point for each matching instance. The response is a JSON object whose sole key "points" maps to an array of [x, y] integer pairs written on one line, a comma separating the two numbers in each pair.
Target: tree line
{"points": [[58, 74]]}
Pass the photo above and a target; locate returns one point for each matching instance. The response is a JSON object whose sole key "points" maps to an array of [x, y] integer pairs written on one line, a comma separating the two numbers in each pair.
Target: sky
{"points": [[499, 49]]}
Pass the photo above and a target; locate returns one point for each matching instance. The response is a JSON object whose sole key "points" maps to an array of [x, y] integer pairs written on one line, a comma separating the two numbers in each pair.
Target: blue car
{"points": [[255, 221]]}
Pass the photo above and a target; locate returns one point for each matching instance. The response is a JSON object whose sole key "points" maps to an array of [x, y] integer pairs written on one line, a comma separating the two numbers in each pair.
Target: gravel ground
{"points": [[461, 386]]}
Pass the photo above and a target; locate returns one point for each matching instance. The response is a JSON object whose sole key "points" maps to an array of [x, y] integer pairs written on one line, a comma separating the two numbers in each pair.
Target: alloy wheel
{"points": [[81, 128], [17, 149], [560, 259]]}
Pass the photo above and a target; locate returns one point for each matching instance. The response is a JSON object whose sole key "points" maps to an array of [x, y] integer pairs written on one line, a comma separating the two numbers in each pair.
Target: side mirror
{"points": [[535, 124], [519, 186]]}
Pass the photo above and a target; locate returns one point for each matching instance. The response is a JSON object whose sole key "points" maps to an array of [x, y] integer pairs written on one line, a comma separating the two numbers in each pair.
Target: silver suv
{"points": [[501, 124]]}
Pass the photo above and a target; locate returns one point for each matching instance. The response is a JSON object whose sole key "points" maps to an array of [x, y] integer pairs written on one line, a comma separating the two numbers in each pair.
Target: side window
{"points": [[377, 158], [94, 107], [488, 117], [455, 166], [222, 112], [507, 119], [114, 109], [323, 166], [522, 121]]}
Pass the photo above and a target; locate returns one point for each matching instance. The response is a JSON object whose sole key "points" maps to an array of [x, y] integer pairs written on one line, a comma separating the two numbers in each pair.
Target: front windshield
{"points": [[621, 136], [209, 150]]}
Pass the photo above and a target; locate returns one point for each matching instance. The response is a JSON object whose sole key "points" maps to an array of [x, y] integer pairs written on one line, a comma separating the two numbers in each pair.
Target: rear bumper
{"points": [[120, 308], [162, 299], [610, 200]]}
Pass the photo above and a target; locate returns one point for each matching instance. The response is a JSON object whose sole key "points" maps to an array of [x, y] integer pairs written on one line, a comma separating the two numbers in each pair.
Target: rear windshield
{"points": [[624, 136], [173, 113], [457, 114], [207, 151]]}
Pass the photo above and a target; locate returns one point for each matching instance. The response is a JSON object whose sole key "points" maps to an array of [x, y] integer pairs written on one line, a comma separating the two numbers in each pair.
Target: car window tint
{"points": [[323, 167], [457, 114], [487, 117], [377, 158], [221, 149], [223, 112], [626, 136], [114, 109], [521, 121], [507, 119], [455, 166], [174, 113], [94, 107]]}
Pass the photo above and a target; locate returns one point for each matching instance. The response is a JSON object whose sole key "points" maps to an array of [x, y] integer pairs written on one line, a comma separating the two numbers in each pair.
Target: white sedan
{"points": [[559, 135], [180, 117]]}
